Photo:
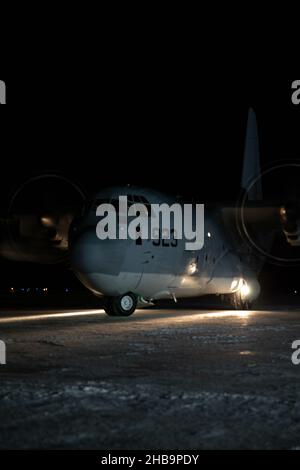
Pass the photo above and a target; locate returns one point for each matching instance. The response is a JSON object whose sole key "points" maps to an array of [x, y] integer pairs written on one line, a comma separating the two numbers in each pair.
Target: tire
{"points": [[122, 306]]}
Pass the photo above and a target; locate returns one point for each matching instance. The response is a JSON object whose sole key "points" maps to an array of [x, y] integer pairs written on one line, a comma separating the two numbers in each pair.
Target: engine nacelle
{"points": [[39, 216], [290, 219], [28, 238]]}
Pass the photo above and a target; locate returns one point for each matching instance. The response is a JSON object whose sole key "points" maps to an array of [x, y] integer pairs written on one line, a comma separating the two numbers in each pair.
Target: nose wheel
{"points": [[122, 306]]}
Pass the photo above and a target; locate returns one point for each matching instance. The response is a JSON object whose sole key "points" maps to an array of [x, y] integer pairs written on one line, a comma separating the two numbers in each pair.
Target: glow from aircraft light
{"points": [[192, 268], [229, 313], [245, 290], [235, 284], [180, 319], [48, 316], [209, 235], [185, 318]]}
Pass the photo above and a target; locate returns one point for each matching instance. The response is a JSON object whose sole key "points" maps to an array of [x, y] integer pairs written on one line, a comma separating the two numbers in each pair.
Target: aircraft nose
{"points": [[91, 255]]}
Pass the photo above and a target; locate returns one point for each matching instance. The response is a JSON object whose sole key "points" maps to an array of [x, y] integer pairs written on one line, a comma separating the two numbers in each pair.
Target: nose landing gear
{"points": [[122, 306]]}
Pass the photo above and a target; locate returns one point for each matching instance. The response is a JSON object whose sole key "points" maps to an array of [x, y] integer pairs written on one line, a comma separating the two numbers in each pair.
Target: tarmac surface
{"points": [[161, 379]]}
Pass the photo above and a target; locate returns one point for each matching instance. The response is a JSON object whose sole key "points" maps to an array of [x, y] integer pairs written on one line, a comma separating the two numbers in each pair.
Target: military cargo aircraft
{"points": [[131, 272]]}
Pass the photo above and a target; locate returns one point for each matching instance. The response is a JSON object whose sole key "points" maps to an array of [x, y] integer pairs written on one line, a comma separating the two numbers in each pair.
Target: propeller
{"points": [[41, 211], [272, 225]]}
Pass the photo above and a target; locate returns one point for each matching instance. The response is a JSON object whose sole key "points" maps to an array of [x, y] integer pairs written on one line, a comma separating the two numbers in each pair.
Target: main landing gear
{"points": [[236, 301], [122, 306], [240, 303]]}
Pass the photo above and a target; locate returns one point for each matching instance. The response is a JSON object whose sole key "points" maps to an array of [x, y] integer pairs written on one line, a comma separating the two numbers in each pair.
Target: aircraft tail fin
{"points": [[251, 166]]}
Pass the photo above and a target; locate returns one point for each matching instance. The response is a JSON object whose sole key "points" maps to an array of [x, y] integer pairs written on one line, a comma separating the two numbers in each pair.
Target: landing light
{"points": [[245, 289], [192, 268], [240, 285]]}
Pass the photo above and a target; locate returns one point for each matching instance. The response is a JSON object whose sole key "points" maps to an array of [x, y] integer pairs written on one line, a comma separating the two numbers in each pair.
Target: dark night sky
{"points": [[164, 127]]}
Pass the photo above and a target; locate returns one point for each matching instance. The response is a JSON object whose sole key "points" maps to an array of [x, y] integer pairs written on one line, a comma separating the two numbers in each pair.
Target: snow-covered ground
{"points": [[162, 379]]}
